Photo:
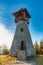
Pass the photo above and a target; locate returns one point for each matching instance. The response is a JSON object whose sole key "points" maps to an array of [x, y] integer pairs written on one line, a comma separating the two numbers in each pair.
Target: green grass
{"points": [[38, 59]]}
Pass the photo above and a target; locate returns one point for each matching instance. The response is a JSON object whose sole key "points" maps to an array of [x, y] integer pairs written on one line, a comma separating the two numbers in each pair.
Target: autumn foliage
{"points": [[38, 47]]}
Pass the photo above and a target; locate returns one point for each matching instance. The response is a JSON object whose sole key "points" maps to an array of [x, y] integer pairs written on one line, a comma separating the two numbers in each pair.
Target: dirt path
{"points": [[21, 63]]}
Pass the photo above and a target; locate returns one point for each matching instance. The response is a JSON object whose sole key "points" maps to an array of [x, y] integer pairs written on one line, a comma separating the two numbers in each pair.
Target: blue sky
{"points": [[34, 7]]}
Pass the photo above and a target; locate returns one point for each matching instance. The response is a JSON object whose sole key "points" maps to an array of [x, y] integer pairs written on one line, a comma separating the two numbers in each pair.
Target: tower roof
{"points": [[22, 11], [22, 14]]}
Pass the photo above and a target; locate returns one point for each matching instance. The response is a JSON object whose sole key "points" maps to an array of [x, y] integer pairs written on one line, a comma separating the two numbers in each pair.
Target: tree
{"points": [[5, 49], [41, 46], [36, 46]]}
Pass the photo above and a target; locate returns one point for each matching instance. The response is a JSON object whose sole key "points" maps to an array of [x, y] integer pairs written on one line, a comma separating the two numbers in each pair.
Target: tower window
{"points": [[21, 29]]}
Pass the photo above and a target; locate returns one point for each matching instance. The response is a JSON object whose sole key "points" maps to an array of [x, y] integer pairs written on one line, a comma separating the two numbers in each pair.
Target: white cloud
{"points": [[5, 36]]}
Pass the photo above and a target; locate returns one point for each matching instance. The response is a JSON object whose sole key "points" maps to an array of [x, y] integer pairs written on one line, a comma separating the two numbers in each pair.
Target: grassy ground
{"points": [[38, 59], [6, 58]]}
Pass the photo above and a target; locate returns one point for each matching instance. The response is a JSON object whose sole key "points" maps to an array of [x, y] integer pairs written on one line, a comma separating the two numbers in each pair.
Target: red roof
{"points": [[21, 11]]}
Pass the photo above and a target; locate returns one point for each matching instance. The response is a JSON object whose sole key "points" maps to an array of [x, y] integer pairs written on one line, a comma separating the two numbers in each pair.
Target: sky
{"points": [[8, 26]]}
